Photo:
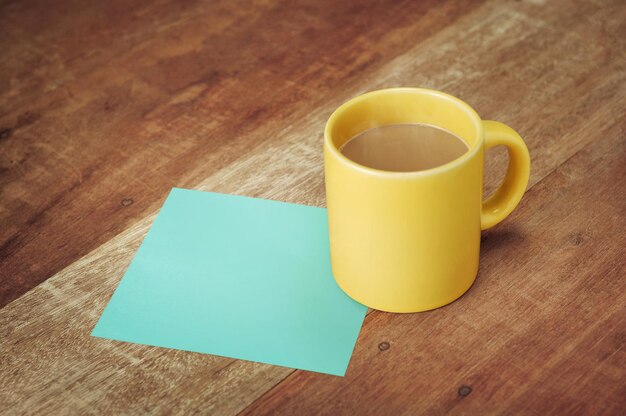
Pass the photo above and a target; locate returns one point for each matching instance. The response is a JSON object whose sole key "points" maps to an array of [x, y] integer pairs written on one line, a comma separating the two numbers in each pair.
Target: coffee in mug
{"points": [[404, 147]]}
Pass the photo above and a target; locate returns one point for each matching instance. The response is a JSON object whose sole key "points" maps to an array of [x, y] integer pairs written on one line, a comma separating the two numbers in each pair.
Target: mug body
{"points": [[404, 241]]}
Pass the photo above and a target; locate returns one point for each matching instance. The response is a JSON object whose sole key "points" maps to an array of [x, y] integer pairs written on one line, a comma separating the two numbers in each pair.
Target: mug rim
{"points": [[471, 113]]}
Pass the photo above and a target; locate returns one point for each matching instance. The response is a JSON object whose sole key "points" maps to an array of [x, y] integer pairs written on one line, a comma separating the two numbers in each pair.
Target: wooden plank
{"points": [[52, 363], [105, 106], [542, 331]]}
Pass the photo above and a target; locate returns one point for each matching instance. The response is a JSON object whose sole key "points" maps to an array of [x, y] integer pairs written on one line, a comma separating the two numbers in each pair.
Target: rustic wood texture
{"points": [[106, 105], [542, 330]]}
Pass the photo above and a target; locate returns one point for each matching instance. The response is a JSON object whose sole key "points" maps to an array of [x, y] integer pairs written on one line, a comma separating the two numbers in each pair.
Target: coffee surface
{"points": [[404, 147]]}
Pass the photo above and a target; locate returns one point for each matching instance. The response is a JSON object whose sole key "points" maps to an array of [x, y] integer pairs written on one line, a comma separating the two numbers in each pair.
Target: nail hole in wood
{"points": [[464, 391], [384, 346], [5, 133], [126, 202]]}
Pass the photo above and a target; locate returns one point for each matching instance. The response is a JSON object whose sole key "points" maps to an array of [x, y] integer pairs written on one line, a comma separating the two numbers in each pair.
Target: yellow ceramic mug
{"points": [[409, 241]]}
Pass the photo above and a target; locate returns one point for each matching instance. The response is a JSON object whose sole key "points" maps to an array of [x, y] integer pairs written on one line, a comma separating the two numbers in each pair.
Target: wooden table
{"points": [[104, 106]]}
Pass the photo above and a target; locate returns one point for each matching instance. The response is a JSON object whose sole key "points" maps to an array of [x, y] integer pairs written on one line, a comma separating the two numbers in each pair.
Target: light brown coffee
{"points": [[404, 147]]}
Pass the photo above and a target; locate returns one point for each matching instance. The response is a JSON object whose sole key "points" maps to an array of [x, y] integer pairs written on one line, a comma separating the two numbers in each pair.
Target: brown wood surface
{"points": [[107, 106], [104, 106]]}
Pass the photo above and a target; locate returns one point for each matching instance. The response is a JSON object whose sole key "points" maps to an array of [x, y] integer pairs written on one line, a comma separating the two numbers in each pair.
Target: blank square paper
{"points": [[238, 277]]}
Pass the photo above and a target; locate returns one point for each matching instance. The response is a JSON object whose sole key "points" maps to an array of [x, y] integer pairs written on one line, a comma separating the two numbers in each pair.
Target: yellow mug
{"points": [[410, 241]]}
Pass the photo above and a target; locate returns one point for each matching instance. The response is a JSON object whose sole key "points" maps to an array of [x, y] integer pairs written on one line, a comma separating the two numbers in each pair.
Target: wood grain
{"points": [[218, 97], [542, 331], [106, 106]]}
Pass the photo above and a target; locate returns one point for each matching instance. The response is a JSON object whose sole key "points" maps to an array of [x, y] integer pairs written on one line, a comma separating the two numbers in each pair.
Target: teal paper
{"points": [[238, 277]]}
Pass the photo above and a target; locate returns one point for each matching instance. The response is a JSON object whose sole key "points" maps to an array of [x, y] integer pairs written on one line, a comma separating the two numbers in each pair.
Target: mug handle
{"points": [[499, 205]]}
